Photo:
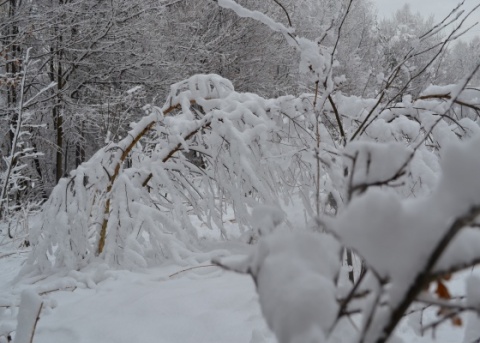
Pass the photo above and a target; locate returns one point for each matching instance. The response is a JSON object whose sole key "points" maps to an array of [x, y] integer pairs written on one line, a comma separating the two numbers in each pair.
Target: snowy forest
{"points": [[291, 171]]}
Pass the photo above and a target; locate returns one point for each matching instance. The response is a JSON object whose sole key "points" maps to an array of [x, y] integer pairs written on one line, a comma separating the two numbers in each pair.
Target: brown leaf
{"points": [[442, 291], [457, 321]]}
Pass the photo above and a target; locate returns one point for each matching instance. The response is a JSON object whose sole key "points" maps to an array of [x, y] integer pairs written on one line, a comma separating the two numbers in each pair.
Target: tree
{"points": [[81, 51], [460, 60], [95, 53], [20, 172], [10, 65], [219, 42]]}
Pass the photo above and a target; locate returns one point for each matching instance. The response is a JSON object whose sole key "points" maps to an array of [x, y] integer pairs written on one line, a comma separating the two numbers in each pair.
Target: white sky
{"points": [[439, 8]]}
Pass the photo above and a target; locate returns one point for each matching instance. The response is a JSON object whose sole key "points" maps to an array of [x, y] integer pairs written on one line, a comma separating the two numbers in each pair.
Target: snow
{"points": [[471, 330], [461, 184], [30, 306], [153, 307], [473, 291], [163, 304], [297, 294], [370, 164], [199, 305], [462, 250]]}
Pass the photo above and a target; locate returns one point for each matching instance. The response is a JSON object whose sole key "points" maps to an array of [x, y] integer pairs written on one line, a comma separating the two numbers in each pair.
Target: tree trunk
{"points": [[13, 65], [57, 113]]}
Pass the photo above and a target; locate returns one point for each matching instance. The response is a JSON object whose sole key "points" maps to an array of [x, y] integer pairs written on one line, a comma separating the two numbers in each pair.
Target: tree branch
{"points": [[423, 278]]}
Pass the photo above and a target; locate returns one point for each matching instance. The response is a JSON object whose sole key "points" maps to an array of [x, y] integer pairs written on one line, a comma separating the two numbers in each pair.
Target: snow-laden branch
{"points": [[425, 227], [120, 205], [245, 13]]}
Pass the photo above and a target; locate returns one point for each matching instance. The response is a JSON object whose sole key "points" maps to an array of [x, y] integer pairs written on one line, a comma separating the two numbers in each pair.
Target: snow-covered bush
{"points": [[134, 201], [408, 235]]}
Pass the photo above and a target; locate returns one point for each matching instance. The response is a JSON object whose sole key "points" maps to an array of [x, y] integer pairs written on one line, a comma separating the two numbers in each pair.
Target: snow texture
{"points": [[295, 275], [30, 306]]}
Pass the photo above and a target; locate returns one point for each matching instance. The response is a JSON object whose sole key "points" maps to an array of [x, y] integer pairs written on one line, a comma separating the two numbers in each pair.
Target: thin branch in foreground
{"points": [[346, 301], [71, 289], [442, 23], [423, 277], [455, 268], [36, 322], [339, 120], [196, 267], [431, 301], [450, 315]]}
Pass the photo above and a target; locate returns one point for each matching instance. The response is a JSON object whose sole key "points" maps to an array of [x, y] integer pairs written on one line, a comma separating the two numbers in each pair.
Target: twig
{"points": [[447, 96], [6, 255], [400, 171], [284, 10], [381, 279], [72, 288], [339, 120], [36, 322], [344, 302], [455, 268], [434, 29], [434, 324], [191, 268], [373, 310], [431, 301]]}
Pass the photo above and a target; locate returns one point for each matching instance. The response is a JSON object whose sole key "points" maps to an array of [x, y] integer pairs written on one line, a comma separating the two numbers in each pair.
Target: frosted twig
{"points": [[191, 268]]}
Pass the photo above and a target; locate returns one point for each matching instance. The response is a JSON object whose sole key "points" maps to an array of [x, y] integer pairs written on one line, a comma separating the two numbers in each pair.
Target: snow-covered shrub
{"points": [[133, 202], [404, 179], [405, 244]]}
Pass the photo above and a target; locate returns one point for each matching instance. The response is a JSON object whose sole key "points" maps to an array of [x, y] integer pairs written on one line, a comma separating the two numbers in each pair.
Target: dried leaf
{"points": [[457, 321], [442, 291]]}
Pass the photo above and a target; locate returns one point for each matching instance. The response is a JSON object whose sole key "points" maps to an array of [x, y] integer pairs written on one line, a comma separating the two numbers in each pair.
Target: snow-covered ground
{"points": [[164, 304], [169, 303], [203, 305]]}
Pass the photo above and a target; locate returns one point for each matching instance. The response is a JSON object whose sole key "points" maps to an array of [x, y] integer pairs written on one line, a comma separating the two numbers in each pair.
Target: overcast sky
{"points": [[439, 8]]}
